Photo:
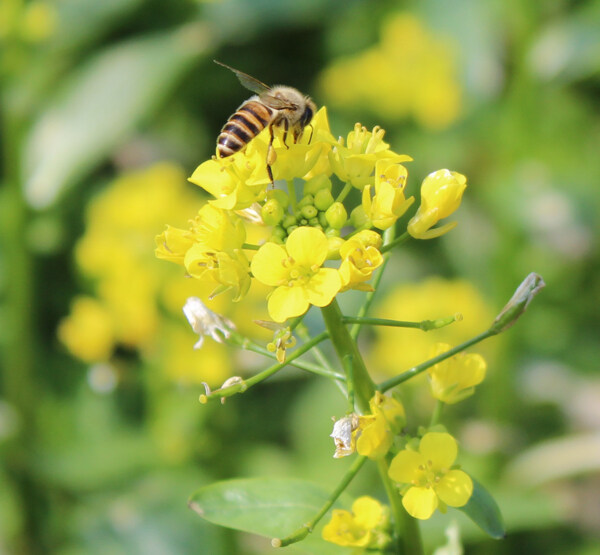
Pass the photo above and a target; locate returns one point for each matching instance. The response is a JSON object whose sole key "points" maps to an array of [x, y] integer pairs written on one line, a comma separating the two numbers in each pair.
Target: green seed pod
{"points": [[336, 215], [316, 184], [323, 199], [272, 212]]}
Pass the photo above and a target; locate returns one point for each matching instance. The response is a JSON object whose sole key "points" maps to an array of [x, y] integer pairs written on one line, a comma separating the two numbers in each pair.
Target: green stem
{"points": [[407, 532], [402, 239], [425, 325], [292, 195], [18, 345], [393, 382], [242, 385], [242, 342], [345, 346], [250, 247], [302, 532], [344, 193], [437, 413]]}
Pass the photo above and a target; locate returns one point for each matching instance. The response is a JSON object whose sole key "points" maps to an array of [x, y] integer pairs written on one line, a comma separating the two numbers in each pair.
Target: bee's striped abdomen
{"points": [[249, 120]]}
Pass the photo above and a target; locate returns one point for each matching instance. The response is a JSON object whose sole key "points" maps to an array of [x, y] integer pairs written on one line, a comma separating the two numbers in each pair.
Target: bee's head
{"points": [[309, 112]]}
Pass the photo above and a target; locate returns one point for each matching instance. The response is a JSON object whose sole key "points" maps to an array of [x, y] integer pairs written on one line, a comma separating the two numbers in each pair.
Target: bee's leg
{"points": [[286, 126], [271, 156], [311, 133]]}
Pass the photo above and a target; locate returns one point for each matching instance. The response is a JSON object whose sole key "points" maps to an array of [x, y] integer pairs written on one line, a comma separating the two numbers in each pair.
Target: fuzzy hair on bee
{"points": [[273, 107]]}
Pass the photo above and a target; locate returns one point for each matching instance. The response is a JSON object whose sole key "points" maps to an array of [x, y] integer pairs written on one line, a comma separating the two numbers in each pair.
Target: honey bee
{"points": [[276, 106]]}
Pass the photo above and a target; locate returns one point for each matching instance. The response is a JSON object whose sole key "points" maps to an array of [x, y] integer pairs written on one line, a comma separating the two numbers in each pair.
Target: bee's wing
{"points": [[277, 103], [246, 80]]}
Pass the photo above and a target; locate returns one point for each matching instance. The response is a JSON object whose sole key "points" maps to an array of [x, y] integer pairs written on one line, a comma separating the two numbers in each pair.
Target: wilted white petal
{"points": [[206, 322], [519, 302], [342, 436]]}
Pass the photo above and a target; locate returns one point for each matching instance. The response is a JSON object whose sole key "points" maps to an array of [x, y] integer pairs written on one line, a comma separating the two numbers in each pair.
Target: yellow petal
{"points": [[307, 246], [420, 502], [455, 488], [439, 448], [323, 286], [268, 264], [404, 467], [287, 302]]}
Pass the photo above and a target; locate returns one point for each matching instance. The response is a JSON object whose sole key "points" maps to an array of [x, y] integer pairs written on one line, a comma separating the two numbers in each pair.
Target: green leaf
{"points": [[100, 105], [272, 507], [483, 511]]}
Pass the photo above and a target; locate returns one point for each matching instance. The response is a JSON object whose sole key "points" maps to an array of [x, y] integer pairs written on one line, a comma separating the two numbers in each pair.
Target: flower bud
{"points": [[336, 215], [280, 196], [272, 212], [333, 247], [317, 183], [524, 294], [288, 221], [306, 200], [359, 218], [323, 199], [323, 219], [309, 211]]}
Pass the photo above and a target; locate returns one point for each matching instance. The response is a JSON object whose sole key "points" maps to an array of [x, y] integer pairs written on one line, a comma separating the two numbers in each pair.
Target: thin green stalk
{"points": [[241, 385], [437, 413], [292, 195], [344, 193], [425, 325], [250, 247], [242, 342], [302, 532], [406, 528], [402, 239], [393, 382]]}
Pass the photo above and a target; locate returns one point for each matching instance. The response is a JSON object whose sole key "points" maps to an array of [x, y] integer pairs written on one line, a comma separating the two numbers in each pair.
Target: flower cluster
{"points": [[322, 238]]}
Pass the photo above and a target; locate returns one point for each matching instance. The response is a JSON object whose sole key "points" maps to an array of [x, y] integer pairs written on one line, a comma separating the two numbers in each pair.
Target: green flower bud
{"points": [[278, 231], [309, 211], [288, 221], [272, 212], [332, 232], [323, 219], [316, 184], [323, 199], [333, 247], [291, 228], [336, 215], [303, 221], [358, 217], [280, 196], [306, 200], [314, 222]]}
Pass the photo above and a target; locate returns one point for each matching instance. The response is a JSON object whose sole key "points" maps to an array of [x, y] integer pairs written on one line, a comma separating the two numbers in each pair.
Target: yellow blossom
{"points": [[353, 160], [377, 430], [360, 258], [173, 243], [295, 270], [413, 71], [455, 378], [428, 473], [363, 527], [441, 193], [88, 330], [388, 203]]}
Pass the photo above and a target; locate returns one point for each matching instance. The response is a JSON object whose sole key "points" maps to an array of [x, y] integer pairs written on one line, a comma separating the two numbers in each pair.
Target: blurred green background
{"points": [[108, 106]]}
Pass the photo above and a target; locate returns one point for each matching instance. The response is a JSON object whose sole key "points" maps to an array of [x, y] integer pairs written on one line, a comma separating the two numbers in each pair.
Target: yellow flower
{"points": [[216, 255], [377, 431], [363, 527], [388, 203], [441, 193], [360, 258], [172, 244], [295, 270], [354, 161], [237, 181], [411, 72], [432, 483], [88, 330], [455, 378]]}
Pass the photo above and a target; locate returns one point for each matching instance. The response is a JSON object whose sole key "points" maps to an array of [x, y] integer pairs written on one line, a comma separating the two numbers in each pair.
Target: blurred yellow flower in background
{"points": [[394, 352], [138, 300], [411, 72]]}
